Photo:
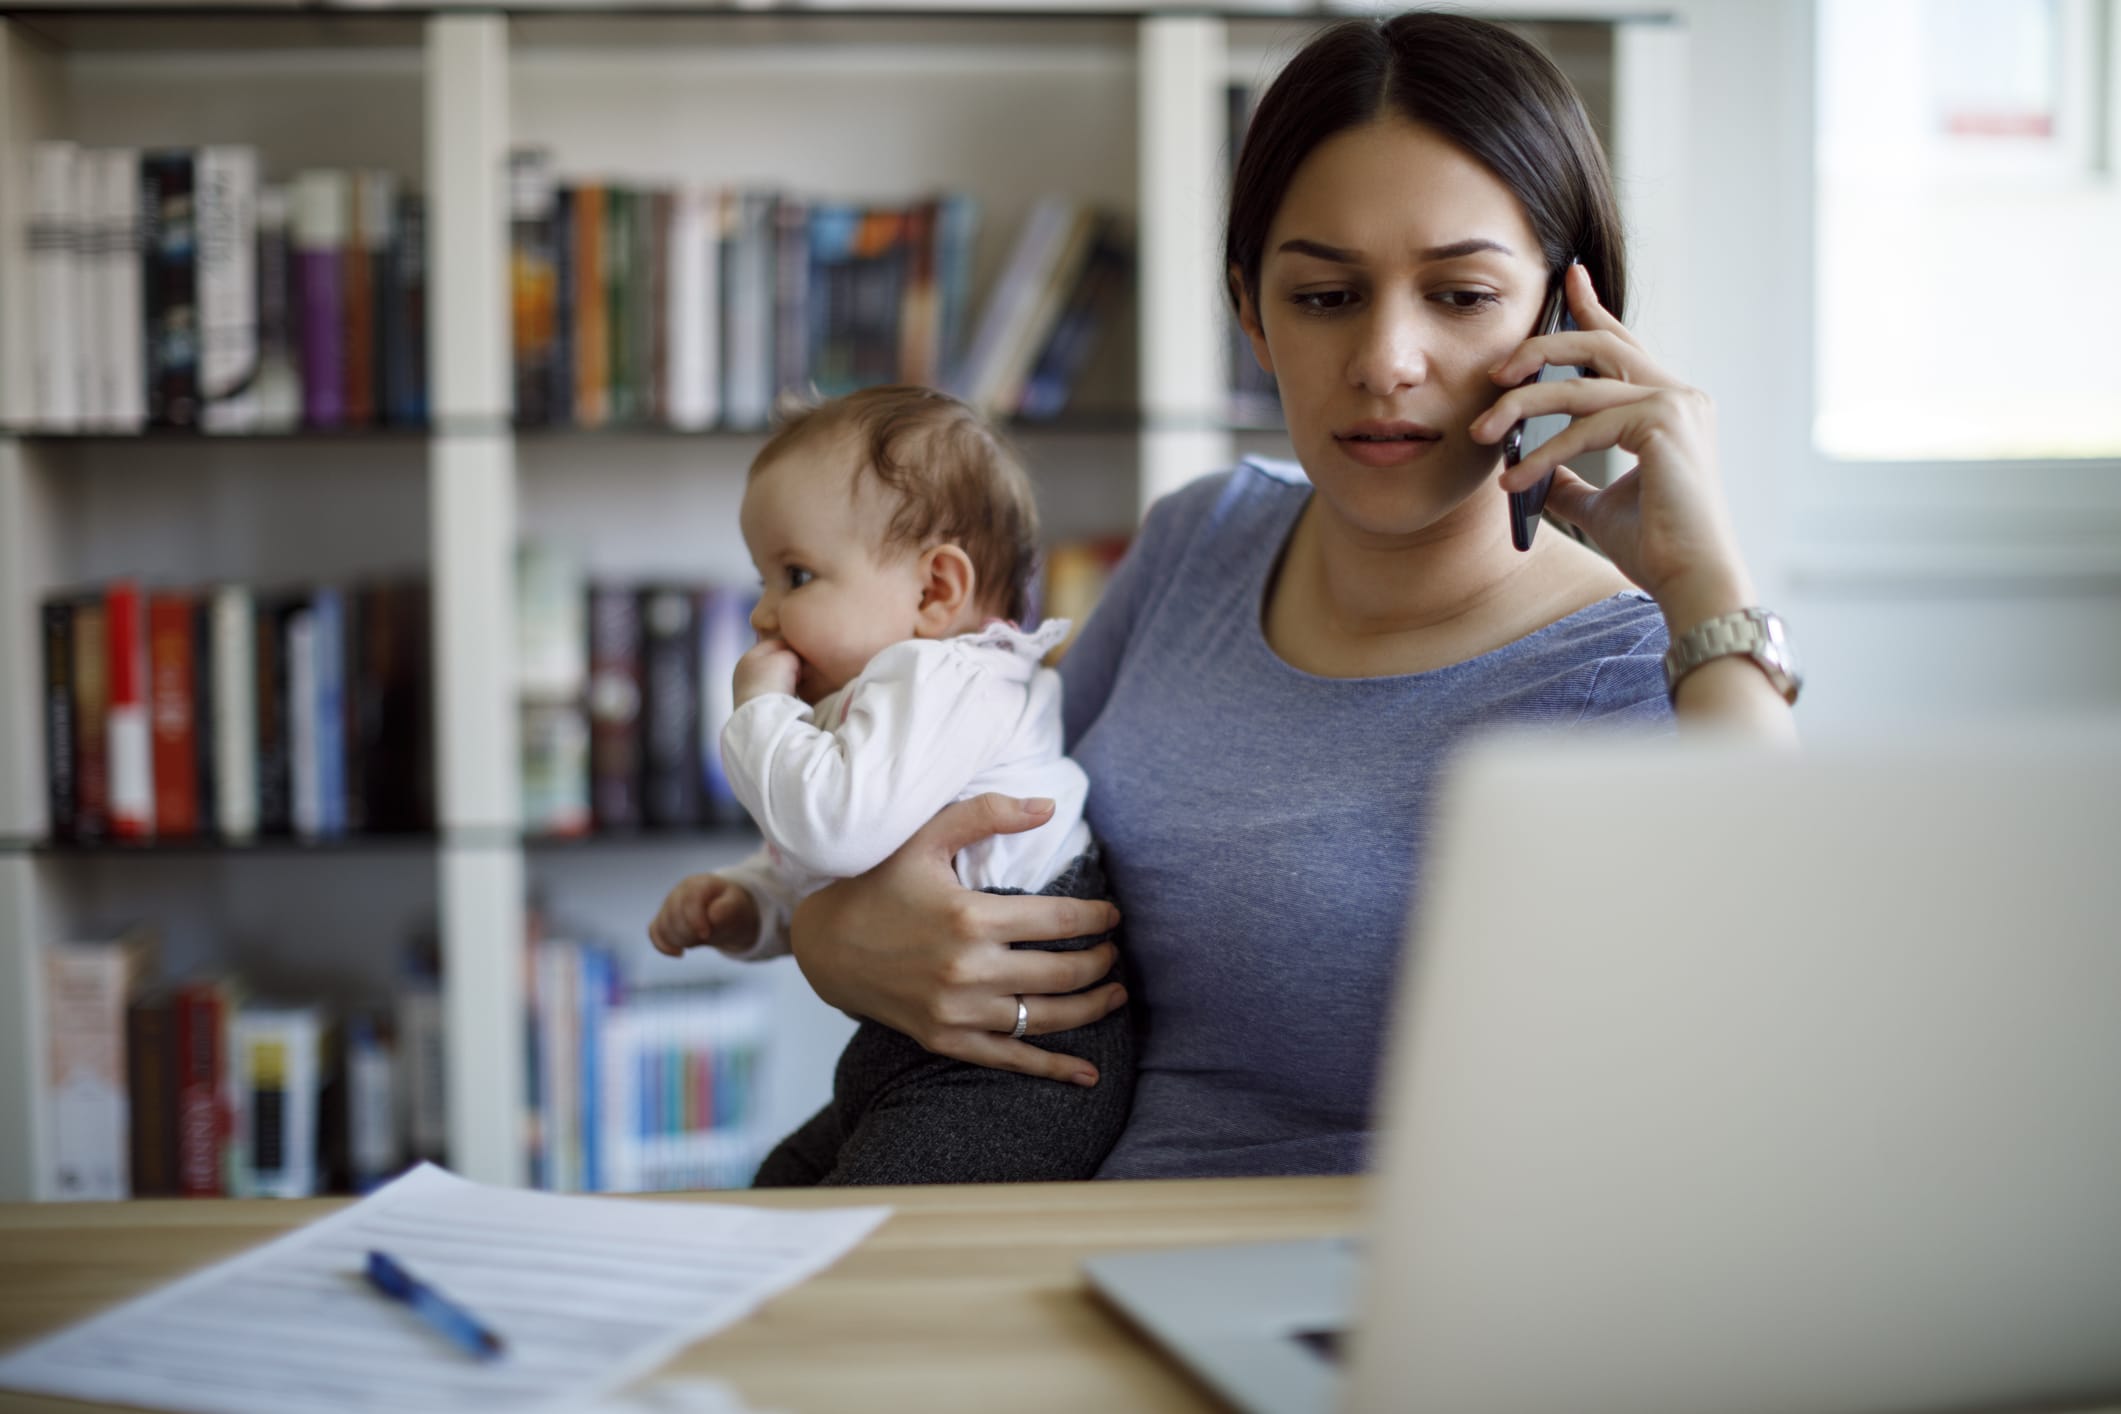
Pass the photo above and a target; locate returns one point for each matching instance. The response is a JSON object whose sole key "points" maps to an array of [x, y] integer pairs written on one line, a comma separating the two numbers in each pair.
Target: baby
{"points": [[895, 537]]}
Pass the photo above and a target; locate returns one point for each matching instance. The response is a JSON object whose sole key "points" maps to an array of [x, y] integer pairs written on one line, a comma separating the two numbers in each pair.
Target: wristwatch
{"points": [[1757, 634]]}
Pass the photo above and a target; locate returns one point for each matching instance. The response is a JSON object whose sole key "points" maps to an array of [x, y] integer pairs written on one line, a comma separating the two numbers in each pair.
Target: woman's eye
{"points": [[1323, 301], [1467, 301], [798, 577]]}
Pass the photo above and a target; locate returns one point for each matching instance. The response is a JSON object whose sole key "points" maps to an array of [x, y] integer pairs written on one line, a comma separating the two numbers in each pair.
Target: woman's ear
{"points": [[1248, 319], [948, 583]]}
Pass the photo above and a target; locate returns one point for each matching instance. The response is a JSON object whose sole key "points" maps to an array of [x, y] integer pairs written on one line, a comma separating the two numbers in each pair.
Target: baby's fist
{"points": [[704, 910], [769, 667]]}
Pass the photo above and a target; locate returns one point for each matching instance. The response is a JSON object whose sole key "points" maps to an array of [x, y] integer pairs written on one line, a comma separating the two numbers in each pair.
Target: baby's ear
{"points": [[948, 583]]}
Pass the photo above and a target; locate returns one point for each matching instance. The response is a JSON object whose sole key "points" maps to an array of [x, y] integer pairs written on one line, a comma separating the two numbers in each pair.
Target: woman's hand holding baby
{"points": [[907, 945], [768, 667], [705, 910]]}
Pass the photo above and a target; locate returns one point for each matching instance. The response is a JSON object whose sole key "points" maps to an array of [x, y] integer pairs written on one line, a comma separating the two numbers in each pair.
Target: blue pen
{"points": [[433, 1307]]}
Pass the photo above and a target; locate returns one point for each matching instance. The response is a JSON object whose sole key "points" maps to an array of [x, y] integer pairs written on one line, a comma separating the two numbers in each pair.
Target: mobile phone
{"points": [[1527, 435]]}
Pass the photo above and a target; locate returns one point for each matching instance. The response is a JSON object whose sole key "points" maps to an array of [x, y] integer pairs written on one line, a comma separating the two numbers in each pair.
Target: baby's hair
{"points": [[954, 479]]}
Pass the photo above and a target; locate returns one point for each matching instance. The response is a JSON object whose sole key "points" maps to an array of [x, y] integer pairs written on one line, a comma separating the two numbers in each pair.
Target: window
{"points": [[1968, 229]]}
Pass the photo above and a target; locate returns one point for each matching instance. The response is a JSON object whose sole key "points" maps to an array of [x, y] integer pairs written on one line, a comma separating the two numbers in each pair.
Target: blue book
{"points": [[328, 623]]}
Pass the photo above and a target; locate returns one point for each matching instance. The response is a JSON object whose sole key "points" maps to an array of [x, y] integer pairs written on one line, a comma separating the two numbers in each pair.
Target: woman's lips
{"points": [[1385, 443]]}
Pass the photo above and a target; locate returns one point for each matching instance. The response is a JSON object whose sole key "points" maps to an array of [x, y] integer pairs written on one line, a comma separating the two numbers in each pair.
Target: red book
{"points": [[171, 663], [205, 1120], [132, 786]]}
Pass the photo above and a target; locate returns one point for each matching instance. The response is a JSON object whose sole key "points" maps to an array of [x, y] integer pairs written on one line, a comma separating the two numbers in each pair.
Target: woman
{"points": [[1265, 698]]}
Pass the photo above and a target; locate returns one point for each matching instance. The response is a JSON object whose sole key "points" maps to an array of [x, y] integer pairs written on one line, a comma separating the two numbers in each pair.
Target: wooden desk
{"points": [[966, 1299]]}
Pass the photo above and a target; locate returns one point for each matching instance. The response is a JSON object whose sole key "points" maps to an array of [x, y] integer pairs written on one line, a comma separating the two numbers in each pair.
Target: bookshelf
{"points": [[1122, 108]]}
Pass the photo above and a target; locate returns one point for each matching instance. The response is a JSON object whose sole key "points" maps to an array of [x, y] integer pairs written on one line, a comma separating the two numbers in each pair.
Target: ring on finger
{"points": [[1023, 1019]]}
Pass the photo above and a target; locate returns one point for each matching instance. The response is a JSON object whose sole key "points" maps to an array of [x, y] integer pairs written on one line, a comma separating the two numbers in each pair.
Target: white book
{"points": [[54, 242], [1013, 300], [552, 626], [279, 386], [276, 1053], [694, 315], [90, 357], [235, 723], [122, 339], [86, 987], [225, 190], [301, 649]]}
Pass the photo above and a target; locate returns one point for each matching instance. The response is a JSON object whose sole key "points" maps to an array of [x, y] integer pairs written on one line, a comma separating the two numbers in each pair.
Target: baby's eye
{"points": [[798, 576], [1467, 301]]}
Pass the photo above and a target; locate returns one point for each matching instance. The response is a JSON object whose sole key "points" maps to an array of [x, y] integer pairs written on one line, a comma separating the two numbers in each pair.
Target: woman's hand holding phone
{"points": [[1663, 522]]}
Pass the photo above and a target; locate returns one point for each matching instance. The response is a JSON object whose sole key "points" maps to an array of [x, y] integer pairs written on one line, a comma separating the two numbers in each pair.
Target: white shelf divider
{"points": [[28, 109], [1184, 366], [472, 497]]}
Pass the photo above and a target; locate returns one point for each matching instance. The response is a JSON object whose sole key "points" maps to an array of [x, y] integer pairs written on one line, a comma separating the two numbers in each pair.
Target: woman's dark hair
{"points": [[1476, 83]]}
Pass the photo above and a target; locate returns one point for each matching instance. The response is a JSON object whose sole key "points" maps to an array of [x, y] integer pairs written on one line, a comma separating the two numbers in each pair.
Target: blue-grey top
{"points": [[1264, 828]]}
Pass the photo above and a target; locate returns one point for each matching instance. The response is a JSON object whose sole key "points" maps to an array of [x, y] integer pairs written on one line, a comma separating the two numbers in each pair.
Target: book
{"points": [[956, 227], [422, 1081], [304, 770], [791, 289], [226, 179], [404, 349], [87, 987], [1012, 304], [670, 706], [203, 1010], [59, 745], [273, 701], [88, 351], [1060, 365], [172, 689], [126, 732], [277, 1052], [321, 237], [120, 304], [328, 614], [725, 636], [169, 272], [560, 400], [235, 718], [615, 707], [371, 1117], [621, 254], [54, 249], [151, 1094], [1057, 280], [552, 633], [588, 271], [748, 288], [920, 304], [204, 768], [878, 295], [694, 394], [533, 279], [655, 315], [278, 386], [555, 743], [388, 747], [91, 718]]}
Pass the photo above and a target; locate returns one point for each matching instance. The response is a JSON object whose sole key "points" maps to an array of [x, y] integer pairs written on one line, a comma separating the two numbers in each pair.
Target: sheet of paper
{"points": [[587, 1293]]}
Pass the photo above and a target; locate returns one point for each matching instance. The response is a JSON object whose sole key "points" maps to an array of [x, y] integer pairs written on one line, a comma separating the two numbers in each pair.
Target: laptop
{"points": [[1723, 1079]]}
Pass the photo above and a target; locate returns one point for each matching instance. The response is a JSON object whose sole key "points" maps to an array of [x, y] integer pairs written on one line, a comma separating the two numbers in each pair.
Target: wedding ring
{"points": [[1023, 1019]]}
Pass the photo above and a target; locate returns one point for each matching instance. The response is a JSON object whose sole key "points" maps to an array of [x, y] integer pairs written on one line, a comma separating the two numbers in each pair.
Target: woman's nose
{"points": [[1390, 356]]}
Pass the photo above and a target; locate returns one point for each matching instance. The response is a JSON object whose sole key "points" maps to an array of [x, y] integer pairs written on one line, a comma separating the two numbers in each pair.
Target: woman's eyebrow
{"points": [[1340, 256]]}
